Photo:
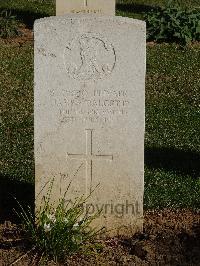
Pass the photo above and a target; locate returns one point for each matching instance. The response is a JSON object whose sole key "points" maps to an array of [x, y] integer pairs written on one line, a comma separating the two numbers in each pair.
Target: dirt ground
{"points": [[26, 36], [169, 238]]}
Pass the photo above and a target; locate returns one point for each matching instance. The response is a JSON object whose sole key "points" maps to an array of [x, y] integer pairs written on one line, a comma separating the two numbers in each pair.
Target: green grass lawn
{"points": [[29, 10], [172, 141]]}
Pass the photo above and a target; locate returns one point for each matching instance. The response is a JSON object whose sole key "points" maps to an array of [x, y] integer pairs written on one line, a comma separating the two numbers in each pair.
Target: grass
{"points": [[9, 26], [37, 7], [60, 230], [29, 10], [16, 111], [138, 8], [172, 175], [172, 142]]}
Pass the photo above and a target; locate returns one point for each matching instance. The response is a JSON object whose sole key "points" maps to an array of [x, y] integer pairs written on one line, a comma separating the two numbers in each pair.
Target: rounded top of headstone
{"points": [[93, 17]]}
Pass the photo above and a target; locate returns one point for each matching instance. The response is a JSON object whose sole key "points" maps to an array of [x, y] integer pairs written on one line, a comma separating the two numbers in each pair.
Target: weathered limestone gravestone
{"points": [[89, 114], [106, 7]]}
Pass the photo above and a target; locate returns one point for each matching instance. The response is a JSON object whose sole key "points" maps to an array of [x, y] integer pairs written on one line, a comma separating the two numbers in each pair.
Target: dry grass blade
{"points": [[22, 257]]}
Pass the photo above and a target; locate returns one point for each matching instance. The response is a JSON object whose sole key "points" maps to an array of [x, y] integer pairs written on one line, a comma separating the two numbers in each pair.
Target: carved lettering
{"points": [[95, 11], [95, 106]]}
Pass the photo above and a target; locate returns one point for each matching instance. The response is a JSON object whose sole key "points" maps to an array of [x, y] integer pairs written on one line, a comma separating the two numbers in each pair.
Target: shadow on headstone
{"points": [[181, 162], [12, 191]]}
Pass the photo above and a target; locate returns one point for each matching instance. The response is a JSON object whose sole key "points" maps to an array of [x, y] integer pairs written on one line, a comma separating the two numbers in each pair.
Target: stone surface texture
{"points": [[105, 7], [89, 114]]}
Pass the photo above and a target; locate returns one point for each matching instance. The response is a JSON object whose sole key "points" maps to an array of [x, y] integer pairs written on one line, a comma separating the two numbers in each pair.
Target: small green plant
{"points": [[8, 25], [56, 233], [173, 23]]}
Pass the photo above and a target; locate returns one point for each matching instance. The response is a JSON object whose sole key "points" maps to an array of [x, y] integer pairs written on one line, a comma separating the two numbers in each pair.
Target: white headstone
{"points": [[106, 7], [89, 114]]}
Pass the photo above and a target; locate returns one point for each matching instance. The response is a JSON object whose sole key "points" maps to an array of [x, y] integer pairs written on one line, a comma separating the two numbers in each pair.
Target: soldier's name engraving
{"points": [[99, 102], [86, 11], [92, 105]]}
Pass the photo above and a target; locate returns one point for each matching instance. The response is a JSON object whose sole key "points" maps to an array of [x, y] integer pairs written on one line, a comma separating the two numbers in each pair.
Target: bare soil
{"points": [[170, 237], [26, 36]]}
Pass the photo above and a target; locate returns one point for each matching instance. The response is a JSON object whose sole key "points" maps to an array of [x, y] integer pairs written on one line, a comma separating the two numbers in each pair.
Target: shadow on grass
{"points": [[182, 162], [10, 190], [26, 16], [136, 8]]}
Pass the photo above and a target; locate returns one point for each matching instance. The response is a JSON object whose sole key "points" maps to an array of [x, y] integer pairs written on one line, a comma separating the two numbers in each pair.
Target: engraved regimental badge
{"points": [[89, 57]]}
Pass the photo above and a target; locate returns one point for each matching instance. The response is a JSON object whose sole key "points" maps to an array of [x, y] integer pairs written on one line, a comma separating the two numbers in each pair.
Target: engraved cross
{"points": [[85, 3], [89, 157]]}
